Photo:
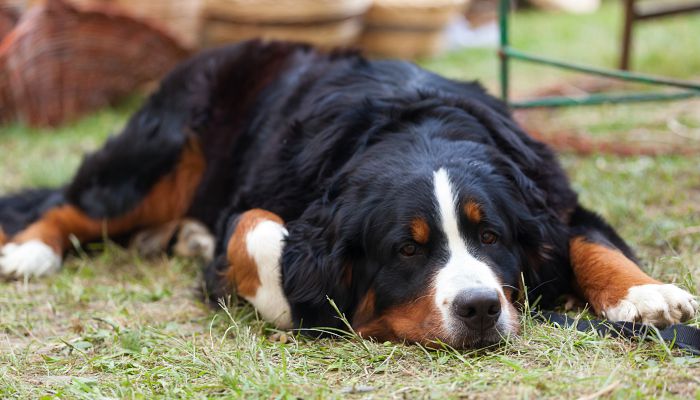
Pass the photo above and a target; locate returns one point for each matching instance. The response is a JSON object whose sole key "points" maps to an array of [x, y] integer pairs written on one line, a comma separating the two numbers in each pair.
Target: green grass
{"points": [[662, 47], [113, 325]]}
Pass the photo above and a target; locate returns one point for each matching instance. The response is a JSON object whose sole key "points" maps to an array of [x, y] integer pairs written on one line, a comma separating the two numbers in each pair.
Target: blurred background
{"points": [[61, 59]]}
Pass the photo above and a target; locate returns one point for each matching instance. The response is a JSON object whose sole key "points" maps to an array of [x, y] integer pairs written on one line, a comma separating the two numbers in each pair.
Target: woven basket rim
{"points": [[419, 4], [285, 10]]}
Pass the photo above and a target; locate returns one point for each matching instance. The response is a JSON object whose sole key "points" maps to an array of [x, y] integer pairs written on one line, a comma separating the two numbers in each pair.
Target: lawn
{"points": [[113, 325]]}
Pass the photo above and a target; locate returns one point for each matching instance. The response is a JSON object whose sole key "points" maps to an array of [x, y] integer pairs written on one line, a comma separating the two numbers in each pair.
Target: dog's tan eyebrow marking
{"points": [[420, 231], [473, 211]]}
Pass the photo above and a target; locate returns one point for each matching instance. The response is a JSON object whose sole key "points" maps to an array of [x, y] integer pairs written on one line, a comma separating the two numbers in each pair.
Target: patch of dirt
{"points": [[579, 142], [674, 139]]}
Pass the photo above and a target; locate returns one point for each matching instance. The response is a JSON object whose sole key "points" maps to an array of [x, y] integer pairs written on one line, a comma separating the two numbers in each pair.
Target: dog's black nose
{"points": [[478, 308]]}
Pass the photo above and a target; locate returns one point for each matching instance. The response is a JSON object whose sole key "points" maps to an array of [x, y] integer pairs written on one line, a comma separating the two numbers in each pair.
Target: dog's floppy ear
{"points": [[542, 238], [315, 267]]}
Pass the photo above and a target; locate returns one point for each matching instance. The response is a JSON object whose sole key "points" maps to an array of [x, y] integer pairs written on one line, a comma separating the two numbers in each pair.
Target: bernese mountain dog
{"points": [[409, 203]]}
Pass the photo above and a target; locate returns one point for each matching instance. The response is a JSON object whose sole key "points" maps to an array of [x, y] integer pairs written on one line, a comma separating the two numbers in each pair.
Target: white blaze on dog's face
{"points": [[467, 292]]}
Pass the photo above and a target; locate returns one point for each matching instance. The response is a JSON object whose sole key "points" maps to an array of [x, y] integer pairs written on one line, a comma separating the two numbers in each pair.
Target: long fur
{"points": [[340, 148]]}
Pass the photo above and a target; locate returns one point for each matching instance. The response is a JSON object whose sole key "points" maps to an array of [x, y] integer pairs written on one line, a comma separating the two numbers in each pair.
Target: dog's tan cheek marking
{"points": [[3, 237], [365, 310], [604, 275], [420, 231], [418, 321], [473, 211], [242, 273], [347, 275], [508, 293]]}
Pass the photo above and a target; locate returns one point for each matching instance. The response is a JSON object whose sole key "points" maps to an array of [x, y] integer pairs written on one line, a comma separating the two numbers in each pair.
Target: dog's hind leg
{"points": [[249, 266], [610, 280], [38, 248]]}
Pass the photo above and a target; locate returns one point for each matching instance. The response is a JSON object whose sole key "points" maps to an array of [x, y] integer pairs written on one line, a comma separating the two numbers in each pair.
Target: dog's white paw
{"points": [[32, 258], [656, 304]]}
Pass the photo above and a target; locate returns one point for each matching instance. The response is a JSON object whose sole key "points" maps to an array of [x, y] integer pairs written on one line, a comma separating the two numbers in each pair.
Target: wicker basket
{"points": [[181, 18], [8, 19], [340, 33], [406, 44], [16, 5], [408, 28], [59, 62], [286, 10], [482, 12], [325, 23]]}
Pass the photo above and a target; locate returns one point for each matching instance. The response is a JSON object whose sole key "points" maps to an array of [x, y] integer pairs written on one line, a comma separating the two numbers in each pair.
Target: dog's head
{"points": [[424, 237]]}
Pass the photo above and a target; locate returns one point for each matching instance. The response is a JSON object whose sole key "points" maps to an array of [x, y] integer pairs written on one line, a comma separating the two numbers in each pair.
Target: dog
{"points": [[409, 203]]}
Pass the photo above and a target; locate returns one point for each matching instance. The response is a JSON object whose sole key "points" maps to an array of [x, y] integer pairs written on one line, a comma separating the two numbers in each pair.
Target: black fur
{"points": [[343, 149], [21, 209]]}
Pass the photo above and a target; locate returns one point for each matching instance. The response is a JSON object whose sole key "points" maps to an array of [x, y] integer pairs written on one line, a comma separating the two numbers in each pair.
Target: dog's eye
{"points": [[408, 250], [488, 237]]}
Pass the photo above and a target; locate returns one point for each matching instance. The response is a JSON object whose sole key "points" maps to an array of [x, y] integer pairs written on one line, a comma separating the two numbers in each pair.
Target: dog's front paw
{"points": [[32, 258], [656, 304]]}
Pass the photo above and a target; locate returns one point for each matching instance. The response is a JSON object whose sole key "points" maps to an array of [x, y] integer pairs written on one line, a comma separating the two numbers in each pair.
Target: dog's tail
{"points": [[19, 210]]}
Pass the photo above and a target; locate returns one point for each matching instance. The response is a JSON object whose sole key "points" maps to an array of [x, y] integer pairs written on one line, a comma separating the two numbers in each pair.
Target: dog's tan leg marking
{"points": [[38, 249], [253, 254], [618, 290]]}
